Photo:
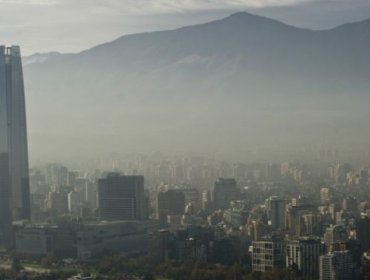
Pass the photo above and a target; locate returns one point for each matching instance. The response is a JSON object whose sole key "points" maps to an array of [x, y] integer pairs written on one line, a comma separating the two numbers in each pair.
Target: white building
{"points": [[268, 254]]}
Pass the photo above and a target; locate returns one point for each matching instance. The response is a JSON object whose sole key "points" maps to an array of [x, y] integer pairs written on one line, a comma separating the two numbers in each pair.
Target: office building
{"points": [[303, 256], [121, 198], [337, 266], [5, 213], [363, 233], [57, 175], [14, 177], [57, 202], [272, 172], [46, 240], [335, 238], [275, 210], [224, 191], [350, 204], [74, 202], [268, 254], [365, 266], [192, 197], [114, 237], [325, 196], [171, 202], [302, 220]]}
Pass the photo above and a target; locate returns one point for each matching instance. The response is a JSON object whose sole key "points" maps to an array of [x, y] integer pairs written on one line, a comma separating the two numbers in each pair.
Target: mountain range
{"points": [[243, 83]]}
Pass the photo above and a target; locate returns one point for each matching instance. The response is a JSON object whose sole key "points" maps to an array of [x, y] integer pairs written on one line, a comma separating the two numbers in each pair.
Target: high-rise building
{"points": [[91, 195], [170, 206], [57, 202], [57, 175], [268, 254], [5, 213], [363, 233], [303, 257], [272, 172], [325, 196], [365, 266], [74, 201], [15, 190], [224, 191], [121, 198], [337, 266], [171, 202], [350, 204], [192, 197], [335, 237], [302, 220], [275, 209]]}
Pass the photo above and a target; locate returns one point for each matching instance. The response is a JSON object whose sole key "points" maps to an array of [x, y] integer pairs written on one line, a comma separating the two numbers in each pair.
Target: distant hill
{"points": [[194, 80], [38, 58]]}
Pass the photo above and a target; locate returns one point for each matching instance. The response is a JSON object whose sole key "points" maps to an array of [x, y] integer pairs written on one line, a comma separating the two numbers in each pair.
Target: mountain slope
{"points": [[138, 82], [243, 43]]}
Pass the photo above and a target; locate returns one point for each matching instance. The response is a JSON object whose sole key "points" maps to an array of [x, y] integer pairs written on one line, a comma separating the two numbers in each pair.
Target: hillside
{"points": [[263, 75]]}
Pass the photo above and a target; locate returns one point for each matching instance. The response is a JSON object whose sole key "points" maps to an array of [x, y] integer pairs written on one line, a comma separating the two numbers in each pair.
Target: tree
{"points": [[149, 276], [16, 265]]}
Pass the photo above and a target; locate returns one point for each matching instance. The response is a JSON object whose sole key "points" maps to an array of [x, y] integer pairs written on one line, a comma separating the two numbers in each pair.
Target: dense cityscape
{"points": [[297, 215], [290, 218], [177, 217]]}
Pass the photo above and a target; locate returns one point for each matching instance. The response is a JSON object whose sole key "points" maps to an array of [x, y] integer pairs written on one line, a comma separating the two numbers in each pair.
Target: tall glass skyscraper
{"points": [[14, 177]]}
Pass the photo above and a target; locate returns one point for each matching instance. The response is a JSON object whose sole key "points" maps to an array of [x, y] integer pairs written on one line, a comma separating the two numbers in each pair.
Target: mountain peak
{"points": [[242, 15], [242, 18], [245, 16]]}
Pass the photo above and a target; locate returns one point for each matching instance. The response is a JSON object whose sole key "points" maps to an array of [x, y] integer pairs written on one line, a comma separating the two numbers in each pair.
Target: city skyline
{"points": [[213, 143]]}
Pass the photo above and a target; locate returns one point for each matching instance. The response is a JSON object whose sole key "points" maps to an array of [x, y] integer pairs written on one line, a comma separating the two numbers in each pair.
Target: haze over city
{"points": [[184, 139]]}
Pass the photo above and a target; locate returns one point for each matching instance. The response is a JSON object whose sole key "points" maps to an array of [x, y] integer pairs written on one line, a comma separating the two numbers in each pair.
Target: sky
{"points": [[74, 25]]}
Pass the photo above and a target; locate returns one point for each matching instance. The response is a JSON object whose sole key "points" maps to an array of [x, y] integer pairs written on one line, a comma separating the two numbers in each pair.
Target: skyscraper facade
{"points": [[171, 202], [268, 254], [225, 191], [275, 209], [121, 198], [5, 215], [337, 265], [14, 177], [303, 256]]}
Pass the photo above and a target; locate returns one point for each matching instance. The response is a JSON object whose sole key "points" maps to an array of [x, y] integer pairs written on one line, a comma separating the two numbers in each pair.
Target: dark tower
{"points": [[122, 198], [15, 193]]}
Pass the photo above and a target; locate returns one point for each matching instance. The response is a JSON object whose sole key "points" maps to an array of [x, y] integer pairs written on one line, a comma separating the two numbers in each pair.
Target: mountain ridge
{"points": [[176, 82], [216, 31], [237, 14]]}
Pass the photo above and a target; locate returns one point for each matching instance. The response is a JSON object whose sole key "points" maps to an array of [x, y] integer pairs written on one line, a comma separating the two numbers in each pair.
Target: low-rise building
{"points": [[45, 240], [99, 238]]}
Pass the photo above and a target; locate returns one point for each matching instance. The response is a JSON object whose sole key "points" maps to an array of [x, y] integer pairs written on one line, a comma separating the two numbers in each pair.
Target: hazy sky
{"points": [[74, 25]]}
